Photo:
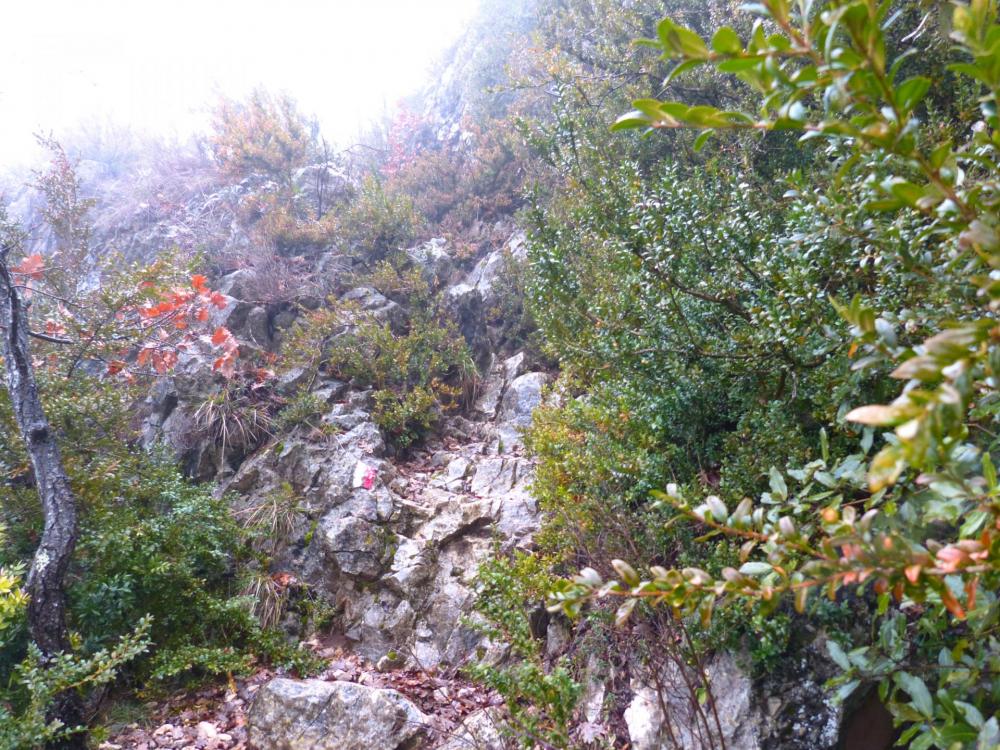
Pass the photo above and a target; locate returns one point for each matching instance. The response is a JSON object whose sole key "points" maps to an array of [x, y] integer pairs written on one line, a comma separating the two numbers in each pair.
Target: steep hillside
{"points": [[541, 418]]}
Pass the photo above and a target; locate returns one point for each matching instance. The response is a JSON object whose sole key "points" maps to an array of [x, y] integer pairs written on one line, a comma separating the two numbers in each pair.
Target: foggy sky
{"points": [[156, 67]]}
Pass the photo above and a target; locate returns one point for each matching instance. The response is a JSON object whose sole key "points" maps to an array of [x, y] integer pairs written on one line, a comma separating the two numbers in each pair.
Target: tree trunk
{"points": [[47, 602]]}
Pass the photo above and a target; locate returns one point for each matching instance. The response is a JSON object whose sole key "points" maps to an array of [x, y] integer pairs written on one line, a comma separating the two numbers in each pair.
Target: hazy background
{"points": [[157, 67]]}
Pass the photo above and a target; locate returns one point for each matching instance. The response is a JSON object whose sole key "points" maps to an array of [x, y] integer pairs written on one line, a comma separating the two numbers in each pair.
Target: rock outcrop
{"points": [[394, 548], [317, 715], [391, 548]]}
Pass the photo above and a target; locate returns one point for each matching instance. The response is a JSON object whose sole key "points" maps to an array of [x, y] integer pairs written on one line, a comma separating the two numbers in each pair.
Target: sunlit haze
{"points": [[156, 67]]}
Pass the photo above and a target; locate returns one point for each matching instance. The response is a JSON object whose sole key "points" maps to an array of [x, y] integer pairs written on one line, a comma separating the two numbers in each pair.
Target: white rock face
{"points": [[520, 399], [317, 715], [732, 690], [479, 731], [523, 396], [433, 260], [484, 276]]}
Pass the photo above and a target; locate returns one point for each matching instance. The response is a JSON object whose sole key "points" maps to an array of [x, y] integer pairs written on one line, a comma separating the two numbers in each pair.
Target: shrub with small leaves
{"points": [[415, 374], [539, 701], [380, 221], [916, 525]]}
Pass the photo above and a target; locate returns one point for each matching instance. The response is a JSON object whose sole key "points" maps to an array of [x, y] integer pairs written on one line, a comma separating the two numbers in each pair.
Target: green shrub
{"points": [[539, 701], [459, 183], [393, 278], [35, 682], [379, 221], [265, 134], [415, 374], [408, 416], [409, 372], [153, 548], [904, 199], [304, 408], [596, 463], [510, 313]]}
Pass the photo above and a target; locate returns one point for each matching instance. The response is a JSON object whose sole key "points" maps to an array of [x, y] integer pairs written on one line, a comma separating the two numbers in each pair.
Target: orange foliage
{"points": [[266, 134]]}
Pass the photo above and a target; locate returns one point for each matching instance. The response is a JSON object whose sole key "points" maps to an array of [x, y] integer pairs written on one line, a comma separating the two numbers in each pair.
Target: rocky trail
{"points": [[446, 710], [460, 495], [389, 546]]}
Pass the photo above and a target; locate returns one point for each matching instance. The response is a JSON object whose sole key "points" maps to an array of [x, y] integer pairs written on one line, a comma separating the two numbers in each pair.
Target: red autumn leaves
{"points": [[225, 363], [162, 327], [963, 557], [32, 267], [177, 310]]}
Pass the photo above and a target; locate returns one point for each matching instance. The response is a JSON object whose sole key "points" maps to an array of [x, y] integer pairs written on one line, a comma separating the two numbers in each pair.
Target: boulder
{"points": [[521, 398], [291, 380], [495, 383], [248, 322], [516, 511], [456, 471], [316, 715], [237, 284], [433, 260], [494, 476], [732, 690], [257, 329], [513, 367], [412, 566], [370, 301], [484, 276], [491, 391], [751, 714], [319, 186], [355, 545], [480, 730], [464, 304]]}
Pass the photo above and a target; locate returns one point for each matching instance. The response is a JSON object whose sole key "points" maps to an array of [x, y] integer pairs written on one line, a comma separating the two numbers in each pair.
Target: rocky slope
{"points": [[391, 548]]}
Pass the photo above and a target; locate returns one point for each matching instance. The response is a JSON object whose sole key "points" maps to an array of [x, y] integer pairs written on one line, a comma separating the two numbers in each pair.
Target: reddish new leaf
{"points": [[32, 266], [221, 336]]}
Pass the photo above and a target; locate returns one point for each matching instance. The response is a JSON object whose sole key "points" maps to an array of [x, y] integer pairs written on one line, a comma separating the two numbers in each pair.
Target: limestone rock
{"points": [[317, 186], [522, 395], [732, 690], [355, 545], [495, 383], [483, 278], [433, 260], [479, 731], [490, 392], [494, 476], [237, 284], [521, 398], [316, 715], [383, 309], [464, 304]]}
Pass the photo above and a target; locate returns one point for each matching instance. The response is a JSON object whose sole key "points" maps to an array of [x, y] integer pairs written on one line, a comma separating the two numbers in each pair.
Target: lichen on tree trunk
{"points": [[47, 600]]}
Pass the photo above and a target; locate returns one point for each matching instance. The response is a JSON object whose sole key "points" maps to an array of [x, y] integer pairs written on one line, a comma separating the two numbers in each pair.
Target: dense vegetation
{"points": [[732, 280], [764, 314]]}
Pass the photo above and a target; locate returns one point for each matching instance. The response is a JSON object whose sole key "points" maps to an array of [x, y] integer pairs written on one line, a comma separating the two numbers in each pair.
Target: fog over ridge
{"points": [[156, 68]]}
